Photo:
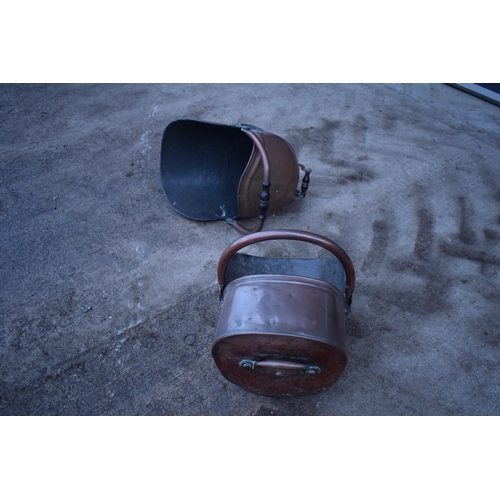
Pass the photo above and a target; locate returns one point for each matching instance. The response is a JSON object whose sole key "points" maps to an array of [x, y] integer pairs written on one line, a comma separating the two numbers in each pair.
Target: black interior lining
{"points": [[201, 166], [327, 269]]}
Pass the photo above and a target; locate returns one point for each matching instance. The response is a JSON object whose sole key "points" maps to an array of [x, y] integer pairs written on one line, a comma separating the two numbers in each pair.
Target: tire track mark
{"points": [[466, 232], [378, 248], [466, 237], [469, 254], [425, 234]]}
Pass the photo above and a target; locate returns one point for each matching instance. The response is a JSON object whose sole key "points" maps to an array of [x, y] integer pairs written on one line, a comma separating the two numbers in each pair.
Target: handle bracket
{"points": [[263, 206], [280, 368], [305, 182]]}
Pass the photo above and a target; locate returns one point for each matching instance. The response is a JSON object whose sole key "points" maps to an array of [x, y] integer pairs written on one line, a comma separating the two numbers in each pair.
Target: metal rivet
{"points": [[279, 374], [313, 371]]}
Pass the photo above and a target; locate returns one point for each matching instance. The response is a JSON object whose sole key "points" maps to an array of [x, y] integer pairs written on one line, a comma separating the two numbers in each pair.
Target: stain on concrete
{"points": [[390, 121], [360, 129], [360, 176], [321, 137], [430, 296], [357, 328]]}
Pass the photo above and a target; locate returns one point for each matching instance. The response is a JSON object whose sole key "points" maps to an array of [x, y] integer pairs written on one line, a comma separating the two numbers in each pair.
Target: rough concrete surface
{"points": [[109, 297]]}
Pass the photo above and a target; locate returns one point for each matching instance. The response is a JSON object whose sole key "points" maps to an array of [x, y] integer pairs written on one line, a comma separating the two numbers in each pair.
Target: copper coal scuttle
{"points": [[281, 329]]}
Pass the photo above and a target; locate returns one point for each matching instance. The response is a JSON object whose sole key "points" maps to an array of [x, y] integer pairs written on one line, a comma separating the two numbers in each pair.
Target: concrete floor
{"points": [[108, 299]]}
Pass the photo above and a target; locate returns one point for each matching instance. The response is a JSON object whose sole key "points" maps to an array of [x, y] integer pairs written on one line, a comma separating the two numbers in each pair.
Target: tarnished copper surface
{"points": [[281, 335], [227, 351], [257, 191], [283, 176]]}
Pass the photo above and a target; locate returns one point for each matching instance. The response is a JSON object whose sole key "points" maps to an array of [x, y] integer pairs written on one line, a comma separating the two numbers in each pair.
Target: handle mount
{"points": [[280, 368], [266, 184], [305, 182]]}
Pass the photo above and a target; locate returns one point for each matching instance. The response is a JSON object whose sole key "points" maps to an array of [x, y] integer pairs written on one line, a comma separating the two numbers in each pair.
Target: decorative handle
{"points": [[266, 184], [305, 236], [305, 182], [280, 368]]}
